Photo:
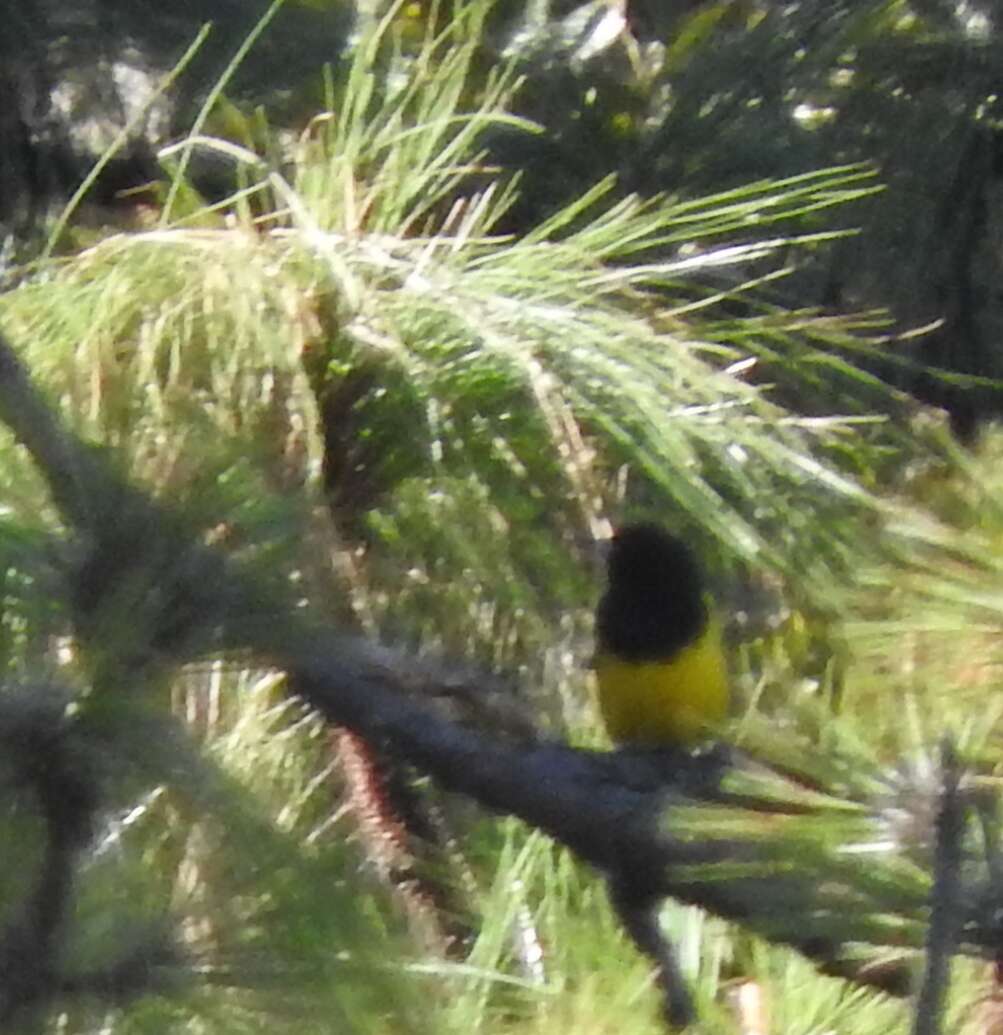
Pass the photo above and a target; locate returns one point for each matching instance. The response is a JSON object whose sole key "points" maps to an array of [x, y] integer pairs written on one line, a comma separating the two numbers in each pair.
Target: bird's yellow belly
{"points": [[665, 702]]}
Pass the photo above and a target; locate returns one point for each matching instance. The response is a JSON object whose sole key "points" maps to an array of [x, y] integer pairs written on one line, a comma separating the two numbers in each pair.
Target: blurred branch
{"points": [[37, 742], [944, 914], [53, 757], [67, 468]]}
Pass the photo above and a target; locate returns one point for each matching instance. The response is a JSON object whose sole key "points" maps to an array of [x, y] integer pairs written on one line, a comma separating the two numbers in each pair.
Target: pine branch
{"points": [[794, 875]]}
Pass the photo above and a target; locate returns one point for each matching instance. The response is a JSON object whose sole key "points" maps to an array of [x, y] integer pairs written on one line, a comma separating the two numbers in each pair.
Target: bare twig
{"points": [[639, 916], [36, 741], [945, 912]]}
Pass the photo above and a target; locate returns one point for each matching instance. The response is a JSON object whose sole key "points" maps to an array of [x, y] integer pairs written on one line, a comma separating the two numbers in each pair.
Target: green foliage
{"points": [[353, 379]]}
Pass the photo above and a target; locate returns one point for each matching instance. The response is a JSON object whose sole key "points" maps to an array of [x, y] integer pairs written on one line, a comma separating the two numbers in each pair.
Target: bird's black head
{"points": [[645, 555], [654, 598]]}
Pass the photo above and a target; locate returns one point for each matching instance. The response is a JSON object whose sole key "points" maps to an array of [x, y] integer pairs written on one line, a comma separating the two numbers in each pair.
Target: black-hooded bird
{"points": [[659, 659]]}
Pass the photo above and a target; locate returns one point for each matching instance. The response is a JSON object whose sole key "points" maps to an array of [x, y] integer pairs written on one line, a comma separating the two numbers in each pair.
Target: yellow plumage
{"points": [[678, 700]]}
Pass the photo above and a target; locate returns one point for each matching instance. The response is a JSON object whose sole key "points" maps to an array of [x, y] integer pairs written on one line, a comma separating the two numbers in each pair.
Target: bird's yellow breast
{"points": [[671, 701]]}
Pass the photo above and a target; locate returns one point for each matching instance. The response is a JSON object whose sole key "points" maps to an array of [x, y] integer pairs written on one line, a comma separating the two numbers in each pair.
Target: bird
{"points": [[659, 660]]}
